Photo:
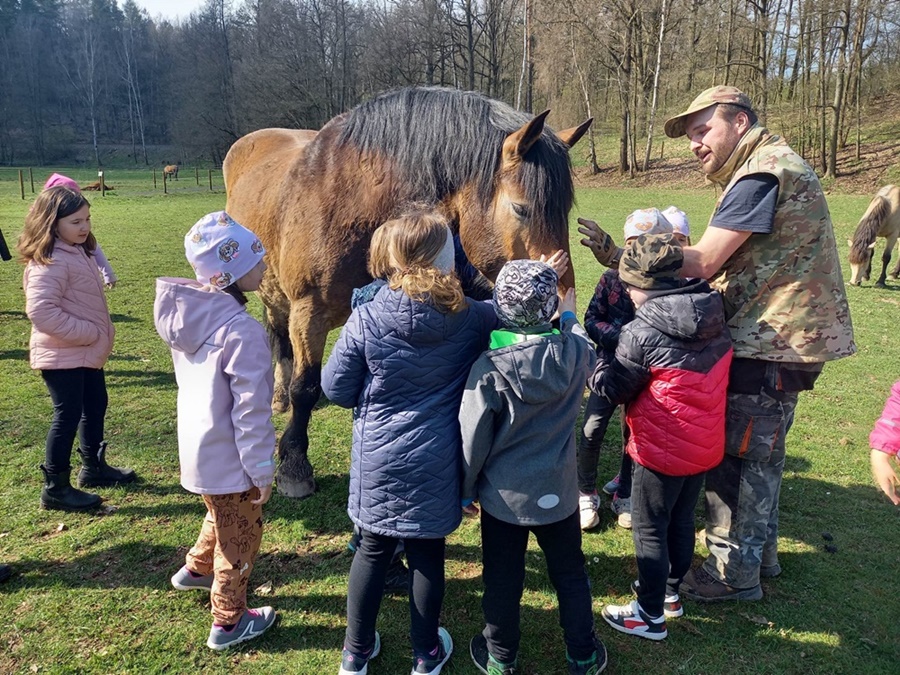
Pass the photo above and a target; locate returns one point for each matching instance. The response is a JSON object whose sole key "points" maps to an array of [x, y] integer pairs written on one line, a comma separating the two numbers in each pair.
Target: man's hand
{"points": [[600, 242], [265, 493]]}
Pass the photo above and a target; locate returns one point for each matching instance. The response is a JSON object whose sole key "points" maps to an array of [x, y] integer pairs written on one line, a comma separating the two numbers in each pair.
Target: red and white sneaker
{"points": [[633, 620], [672, 606]]}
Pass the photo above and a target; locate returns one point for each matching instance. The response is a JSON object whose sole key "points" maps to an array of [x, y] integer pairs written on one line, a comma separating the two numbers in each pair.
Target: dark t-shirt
{"points": [[749, 205]]}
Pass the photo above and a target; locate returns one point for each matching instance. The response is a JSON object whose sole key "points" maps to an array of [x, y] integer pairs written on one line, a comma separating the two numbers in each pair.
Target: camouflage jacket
{"points": [[784, 291]]}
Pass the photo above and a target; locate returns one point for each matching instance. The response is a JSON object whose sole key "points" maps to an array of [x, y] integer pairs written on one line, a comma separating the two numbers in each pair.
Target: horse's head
{"points": [[526, 213], [860, 261]]}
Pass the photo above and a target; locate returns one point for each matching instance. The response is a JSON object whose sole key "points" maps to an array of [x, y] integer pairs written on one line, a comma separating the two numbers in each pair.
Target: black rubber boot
{"points": [[95, 472], [59, 495], [5, 572]]}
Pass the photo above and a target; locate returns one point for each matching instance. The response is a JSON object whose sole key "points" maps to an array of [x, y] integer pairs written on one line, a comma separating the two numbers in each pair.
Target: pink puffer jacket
{"points": [[70, 320], [886, 434]]}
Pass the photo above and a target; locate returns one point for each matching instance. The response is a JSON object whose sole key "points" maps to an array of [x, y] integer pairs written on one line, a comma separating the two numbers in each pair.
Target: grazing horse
{"points": [[171, 170], [502, 179], [881, 219]]}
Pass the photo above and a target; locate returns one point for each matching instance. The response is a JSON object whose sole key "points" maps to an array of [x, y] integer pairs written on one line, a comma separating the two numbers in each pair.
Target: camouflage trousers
{"points": [[742, 492]]}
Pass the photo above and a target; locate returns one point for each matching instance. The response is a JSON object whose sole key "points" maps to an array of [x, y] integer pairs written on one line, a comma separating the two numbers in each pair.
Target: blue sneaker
{"points": [[612, 486], [431, 664], [253, 623], [358, 664], [186, 580]]}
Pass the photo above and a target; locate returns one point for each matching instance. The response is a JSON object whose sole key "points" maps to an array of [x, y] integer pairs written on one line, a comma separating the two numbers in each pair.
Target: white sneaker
{"points": [[621, 506], [588, 506]]}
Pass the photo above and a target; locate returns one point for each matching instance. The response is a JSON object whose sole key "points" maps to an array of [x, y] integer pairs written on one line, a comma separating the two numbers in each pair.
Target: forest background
{"points": [[94, 82]]}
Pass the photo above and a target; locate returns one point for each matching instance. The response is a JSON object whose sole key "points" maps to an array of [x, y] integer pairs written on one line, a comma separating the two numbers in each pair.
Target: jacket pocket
{"points": [[751, 429]]}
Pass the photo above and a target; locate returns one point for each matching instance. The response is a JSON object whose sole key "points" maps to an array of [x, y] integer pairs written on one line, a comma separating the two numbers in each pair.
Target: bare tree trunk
{"points": [[663, 15], [822, 94], [838, 105], [592, 157]]}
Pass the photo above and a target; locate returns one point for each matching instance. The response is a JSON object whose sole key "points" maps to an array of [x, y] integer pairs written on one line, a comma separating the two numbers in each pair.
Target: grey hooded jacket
{"points": [[518, 426]]}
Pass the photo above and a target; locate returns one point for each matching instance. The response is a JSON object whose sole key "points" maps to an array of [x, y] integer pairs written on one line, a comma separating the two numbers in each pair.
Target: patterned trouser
{"points": [[742, 492], [227, 546]]}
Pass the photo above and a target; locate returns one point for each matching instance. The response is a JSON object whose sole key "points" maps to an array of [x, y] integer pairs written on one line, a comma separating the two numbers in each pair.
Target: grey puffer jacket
{"points": [[518, 426], [402, 365]]}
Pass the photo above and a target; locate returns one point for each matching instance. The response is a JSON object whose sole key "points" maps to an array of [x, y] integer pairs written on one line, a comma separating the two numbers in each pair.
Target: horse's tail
{"points": [[867, 230]]}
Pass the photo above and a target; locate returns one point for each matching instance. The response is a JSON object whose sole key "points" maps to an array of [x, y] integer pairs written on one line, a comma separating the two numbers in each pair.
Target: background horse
{"points": [[171, 170], [881, 219], [314, 198]]}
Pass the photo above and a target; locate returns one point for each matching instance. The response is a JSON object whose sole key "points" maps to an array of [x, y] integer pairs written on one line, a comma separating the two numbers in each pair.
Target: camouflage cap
{"points": [[652, 262], [712, 96]]}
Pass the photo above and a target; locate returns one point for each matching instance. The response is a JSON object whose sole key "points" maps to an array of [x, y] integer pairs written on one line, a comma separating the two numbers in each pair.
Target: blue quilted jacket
{"points": [[403, 365]]}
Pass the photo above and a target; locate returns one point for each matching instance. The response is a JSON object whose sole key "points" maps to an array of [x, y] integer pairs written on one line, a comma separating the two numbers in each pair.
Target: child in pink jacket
{"points": [[109, 277], [71, 338], [226, 440], [885, 443]]}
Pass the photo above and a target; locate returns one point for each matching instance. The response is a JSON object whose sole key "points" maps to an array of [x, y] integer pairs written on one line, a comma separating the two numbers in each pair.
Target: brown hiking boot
{"points": [[698, 584]]}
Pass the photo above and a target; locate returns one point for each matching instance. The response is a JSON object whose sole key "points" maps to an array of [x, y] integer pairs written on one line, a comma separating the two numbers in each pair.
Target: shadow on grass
{"points": [[13, 354], [124, 318], [16, 314], [151, 378]]}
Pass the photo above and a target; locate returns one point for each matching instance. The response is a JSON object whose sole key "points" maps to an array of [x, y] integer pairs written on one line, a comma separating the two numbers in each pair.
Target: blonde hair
{"points": [[380, 266], [42, 223], [411, 244]]}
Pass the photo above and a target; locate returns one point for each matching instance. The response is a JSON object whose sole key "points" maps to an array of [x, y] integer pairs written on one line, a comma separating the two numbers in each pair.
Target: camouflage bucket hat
{"points": [[712, 96], [652, 262]]}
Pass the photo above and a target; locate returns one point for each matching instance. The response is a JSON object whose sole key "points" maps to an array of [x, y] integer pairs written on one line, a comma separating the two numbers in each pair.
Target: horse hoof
{"points": [[295, 489], [281, 402], [880, 284]]}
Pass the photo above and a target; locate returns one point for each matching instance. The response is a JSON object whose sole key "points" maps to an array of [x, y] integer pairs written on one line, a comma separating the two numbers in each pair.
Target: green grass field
{"points": [[93, 596]]}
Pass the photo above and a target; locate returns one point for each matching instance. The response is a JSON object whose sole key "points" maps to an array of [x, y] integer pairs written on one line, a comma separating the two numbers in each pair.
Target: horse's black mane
{"points": [[444, 138], [867, 230]]}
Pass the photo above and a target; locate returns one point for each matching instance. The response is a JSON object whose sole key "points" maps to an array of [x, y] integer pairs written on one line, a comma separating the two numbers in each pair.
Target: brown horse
{"points": [[171, 170], [881, 219], [314, 198]]}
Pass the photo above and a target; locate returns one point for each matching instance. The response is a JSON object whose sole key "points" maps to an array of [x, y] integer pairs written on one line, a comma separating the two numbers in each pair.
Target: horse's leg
{"points": [[283, 352], [885, 260], [308, 330], [895, 273]]}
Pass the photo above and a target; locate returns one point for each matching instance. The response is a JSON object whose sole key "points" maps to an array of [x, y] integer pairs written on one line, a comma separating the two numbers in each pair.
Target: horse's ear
{"points": [[571, 136], [518, 143]]}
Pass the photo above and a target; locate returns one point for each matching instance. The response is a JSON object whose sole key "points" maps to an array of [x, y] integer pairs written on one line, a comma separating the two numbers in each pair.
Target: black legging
{"points": [[79, 404], [425, 558]]}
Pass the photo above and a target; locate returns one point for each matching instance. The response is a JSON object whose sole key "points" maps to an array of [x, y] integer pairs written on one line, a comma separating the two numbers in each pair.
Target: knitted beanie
{"points": [[646, 221], [525, 294], [220, 250]]}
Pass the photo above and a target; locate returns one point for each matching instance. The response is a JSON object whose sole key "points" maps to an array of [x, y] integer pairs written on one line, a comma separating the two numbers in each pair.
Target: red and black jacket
{"points": [[671, 370]]}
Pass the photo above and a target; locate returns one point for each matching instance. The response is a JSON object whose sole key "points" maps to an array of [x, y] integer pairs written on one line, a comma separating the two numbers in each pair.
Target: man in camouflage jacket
{"points": [[770, 250]]}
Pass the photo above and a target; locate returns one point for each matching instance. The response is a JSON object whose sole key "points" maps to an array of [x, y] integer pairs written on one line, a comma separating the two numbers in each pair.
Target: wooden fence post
{"points": [[31, 178], [154, 178], [102, 184], [197, 175], [165, 190], [21, 184], [210, 179]]}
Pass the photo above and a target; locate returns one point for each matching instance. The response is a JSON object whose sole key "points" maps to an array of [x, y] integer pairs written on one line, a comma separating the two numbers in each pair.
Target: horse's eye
{"points": [[520, 210]]}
